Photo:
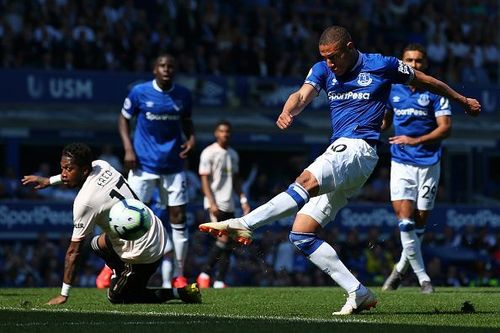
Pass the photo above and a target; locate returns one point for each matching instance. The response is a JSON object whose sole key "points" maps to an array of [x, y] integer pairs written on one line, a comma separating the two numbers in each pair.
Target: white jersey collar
{"points": [[157, 87]]}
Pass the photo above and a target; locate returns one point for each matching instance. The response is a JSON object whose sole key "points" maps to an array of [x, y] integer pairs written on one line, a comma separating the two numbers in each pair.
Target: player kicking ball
{"points": [[357, 86]]}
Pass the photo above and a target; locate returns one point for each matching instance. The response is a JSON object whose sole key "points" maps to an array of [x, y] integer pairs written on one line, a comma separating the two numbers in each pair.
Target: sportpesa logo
{"points": [[410, 112], [152, 116], [348, 95]]}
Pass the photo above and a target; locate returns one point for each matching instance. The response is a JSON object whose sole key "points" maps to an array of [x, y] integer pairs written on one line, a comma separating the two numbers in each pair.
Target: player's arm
{"points": [[70, 265], [188, 130], [442, 131], [207, 192], [423, 81], [130, 159], [294, 105], [238, 188], [41, 182]]}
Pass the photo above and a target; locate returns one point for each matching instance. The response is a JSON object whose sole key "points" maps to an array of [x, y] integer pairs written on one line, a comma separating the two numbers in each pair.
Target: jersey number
{"points": [[119, 184], [429, 192]]}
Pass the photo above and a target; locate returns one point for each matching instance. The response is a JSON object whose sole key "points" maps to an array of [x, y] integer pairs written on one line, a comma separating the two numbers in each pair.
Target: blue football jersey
{"points": [[158, 132], [358, 98], [415, 114]]}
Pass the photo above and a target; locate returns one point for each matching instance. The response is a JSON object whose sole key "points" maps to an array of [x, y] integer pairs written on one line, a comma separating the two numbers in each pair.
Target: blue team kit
{"points": [[158, 132]]}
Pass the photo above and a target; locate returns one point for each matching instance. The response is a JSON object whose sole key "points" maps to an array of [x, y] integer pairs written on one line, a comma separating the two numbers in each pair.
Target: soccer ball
{"points": [[129, 219]]}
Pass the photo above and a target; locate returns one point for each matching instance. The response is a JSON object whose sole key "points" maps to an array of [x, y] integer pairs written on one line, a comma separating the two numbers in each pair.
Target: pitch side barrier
{"points": [[25, 220], [94, 87]]}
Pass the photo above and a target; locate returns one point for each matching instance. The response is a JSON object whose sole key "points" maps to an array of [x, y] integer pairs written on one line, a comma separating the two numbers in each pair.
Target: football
{"points": [[129, 219]]}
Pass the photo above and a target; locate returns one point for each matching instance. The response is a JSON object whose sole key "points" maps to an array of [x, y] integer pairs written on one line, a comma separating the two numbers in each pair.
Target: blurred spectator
{"points": [[210, 34], [108, 155]]}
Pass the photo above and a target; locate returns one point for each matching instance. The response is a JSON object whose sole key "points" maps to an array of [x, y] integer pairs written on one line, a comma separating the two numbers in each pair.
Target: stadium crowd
{"points": [[263, 38], [274, 38]]}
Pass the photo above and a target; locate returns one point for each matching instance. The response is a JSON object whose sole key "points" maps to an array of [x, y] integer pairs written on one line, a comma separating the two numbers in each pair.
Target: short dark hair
{"points": [[223, 122], [80, 154], [335, 34], [163, 55], [415, 47]]}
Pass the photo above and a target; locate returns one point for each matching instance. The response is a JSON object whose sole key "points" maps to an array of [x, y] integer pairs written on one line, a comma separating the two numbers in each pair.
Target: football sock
{"points": [[214, 255], [411, 249], [284, 204], [223, 264], [325, 258], [166, 272], [180, 240], [403, 263]]}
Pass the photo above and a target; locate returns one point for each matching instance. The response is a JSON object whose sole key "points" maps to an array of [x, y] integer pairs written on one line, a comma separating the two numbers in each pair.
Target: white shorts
{"points": [[340, 171], [173, 187], [415, 183]]}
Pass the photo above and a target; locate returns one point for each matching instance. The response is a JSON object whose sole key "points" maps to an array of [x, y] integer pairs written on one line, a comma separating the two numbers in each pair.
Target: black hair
{"points": [[223, 122], [80, 154], [415, 47], [335, 34], [163, 55]]}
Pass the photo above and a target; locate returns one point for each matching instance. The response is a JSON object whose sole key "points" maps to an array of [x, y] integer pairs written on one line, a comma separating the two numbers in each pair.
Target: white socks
{"points": [[328, 261], [166, 272], [411, 251], [180, 240], [284, 204]]}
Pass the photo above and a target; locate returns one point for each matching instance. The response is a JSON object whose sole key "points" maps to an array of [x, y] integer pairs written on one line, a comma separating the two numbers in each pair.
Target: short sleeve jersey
{"points": [[220, 165], [158, 132], [357, 99], [415, 114], [103, 188]]}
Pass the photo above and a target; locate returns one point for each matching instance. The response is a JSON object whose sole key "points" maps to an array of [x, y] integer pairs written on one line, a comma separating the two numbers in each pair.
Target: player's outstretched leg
{"points": [[233, 228], [357, 301], [284, 204]]}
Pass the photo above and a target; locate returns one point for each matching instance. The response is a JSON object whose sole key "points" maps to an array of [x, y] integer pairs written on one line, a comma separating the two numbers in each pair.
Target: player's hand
{"points": [[285, 120], [40, 182], [246, 208], [59, 299], [130, 160], [214, 210], [403, 140], [472, 107], [187, 147]]}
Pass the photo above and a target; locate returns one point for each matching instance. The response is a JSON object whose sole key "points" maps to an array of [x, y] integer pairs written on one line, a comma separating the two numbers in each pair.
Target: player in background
{"points": [[133, 262], [357, 86], [421, 121], [219, 168], [156, 155]]}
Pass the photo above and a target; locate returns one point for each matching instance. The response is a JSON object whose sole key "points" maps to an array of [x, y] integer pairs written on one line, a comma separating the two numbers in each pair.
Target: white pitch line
{"points": [[346, 319]]}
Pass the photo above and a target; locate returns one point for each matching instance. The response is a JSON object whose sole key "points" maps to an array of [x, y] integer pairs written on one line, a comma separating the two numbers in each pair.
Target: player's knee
{"points": [[177, 215], [306, 243], [309, 182]]}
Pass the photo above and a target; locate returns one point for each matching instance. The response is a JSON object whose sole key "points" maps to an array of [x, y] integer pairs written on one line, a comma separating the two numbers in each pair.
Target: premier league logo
{"points": [[423, 100], [364, 79]]}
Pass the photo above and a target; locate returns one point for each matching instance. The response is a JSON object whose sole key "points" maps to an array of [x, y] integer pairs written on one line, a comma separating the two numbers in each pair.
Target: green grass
{"points": [[254, 310]]}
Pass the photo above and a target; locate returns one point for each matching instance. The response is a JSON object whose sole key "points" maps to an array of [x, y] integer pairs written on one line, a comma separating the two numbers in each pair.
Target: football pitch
{"points": [[254, 310]]}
